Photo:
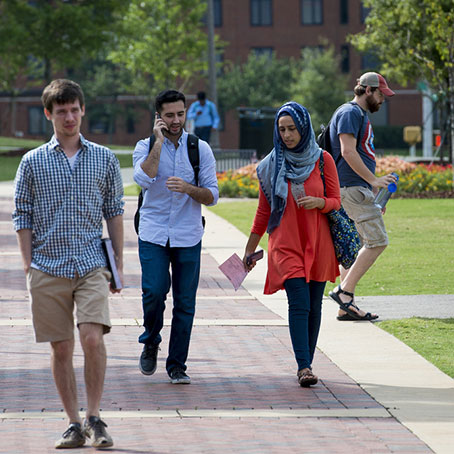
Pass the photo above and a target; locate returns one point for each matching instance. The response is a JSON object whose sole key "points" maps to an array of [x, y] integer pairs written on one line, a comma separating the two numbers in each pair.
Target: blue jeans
{"points": [[203, 133], [304, 317], [155, 261]]}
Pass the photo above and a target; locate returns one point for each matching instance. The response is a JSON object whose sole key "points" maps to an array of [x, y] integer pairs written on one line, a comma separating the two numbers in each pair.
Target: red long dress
{"points": [[301, 246]]}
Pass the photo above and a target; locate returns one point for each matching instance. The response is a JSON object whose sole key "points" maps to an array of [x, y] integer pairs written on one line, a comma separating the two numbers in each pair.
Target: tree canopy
{"points": [[260, 81], [414, 40], [319, 85], [57, 35], [162, 43]]}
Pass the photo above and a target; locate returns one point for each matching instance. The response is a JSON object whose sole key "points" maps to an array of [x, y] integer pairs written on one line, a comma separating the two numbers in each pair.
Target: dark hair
{"points": [[201, 95], [168, 96], [359, 90], [62, 91]]}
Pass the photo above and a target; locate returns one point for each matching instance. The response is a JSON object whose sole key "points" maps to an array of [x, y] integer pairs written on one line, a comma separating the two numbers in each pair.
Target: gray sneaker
{"points": [[95, 431], [179, 377], [73, 437]]}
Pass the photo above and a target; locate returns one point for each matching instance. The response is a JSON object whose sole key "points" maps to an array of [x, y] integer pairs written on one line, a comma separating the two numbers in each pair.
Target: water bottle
{"points": [[384, 194]]}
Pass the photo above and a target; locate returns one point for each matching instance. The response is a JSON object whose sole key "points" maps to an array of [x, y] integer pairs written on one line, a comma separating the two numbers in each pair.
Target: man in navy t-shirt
{"points": [[352, 142]]}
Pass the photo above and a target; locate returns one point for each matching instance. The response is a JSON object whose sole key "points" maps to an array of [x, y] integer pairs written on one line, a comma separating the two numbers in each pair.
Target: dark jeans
{"points": [[203, 133], [304, 317], [155, 261]]}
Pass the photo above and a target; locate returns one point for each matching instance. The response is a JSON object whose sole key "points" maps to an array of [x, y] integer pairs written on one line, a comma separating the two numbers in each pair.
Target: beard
{"points": [[372, 104]]}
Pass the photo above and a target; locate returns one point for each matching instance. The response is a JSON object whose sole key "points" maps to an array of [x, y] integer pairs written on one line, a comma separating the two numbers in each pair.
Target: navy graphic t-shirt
{"points": [[350, 118]]}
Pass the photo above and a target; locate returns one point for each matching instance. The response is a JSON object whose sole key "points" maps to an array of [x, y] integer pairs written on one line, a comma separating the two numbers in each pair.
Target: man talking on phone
{"points": [[171, 230]]}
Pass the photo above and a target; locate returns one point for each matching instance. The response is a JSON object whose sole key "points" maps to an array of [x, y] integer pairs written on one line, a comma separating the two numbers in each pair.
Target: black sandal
{"points": [[346, 306], [306, 378]]}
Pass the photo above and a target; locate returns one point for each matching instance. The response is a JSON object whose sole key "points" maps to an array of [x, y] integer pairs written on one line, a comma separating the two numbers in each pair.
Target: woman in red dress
{"points": [[292, 207]]}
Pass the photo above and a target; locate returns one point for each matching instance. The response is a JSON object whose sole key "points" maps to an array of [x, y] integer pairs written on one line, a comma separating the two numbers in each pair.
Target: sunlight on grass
{"points": [[431, 338], [132, 189], [241, 214]]}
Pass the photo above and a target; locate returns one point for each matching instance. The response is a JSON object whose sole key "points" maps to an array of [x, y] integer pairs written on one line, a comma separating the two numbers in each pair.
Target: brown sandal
{"points": [[306, 378]]}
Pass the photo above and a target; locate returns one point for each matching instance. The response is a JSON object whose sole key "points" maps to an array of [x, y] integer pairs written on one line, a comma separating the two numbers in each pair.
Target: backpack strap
{"points": [[362, 120], [141, 193], [360, 127], [194, 156]]}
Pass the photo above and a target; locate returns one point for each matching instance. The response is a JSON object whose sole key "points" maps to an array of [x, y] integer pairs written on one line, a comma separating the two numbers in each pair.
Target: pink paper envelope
{"points": [[233, 268]]}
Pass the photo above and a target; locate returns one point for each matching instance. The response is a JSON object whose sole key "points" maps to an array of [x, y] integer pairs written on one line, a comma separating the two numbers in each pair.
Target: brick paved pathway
{"points": [[244, 397]]}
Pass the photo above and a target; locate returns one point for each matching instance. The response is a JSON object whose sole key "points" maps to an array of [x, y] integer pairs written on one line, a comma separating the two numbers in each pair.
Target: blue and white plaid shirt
{"points": [[64, 208]]}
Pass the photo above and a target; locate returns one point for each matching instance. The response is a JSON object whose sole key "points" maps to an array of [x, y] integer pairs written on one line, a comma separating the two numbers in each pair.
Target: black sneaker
{"points": [[149, 359], [95, 430], [179, 377], [72, 438]]}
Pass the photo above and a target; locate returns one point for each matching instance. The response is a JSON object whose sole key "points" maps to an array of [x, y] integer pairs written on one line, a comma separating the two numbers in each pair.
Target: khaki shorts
{"points": [[53, 299], [359, 205]]}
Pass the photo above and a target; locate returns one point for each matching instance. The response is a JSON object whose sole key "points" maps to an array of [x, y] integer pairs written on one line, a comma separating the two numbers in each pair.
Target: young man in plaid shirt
{"points": [[63, 191]]}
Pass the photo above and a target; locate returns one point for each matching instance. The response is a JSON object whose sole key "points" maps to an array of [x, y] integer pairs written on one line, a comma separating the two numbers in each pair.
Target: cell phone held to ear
{"points": [[255, 256]]}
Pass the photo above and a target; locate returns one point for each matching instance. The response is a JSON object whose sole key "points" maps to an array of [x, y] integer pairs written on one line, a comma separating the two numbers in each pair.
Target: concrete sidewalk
{"points": [[374, 395]]}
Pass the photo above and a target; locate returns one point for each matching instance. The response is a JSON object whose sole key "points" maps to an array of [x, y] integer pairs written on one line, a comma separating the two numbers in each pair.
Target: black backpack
{"points": [[194, 159], [323, 139]]}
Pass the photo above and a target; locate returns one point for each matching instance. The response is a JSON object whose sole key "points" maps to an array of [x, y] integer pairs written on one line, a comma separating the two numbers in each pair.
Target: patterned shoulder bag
{"points": [[343, 231]]}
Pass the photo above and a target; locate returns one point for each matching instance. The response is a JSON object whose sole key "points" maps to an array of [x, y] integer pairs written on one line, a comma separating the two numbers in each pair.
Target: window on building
{"points": [[217, 7], [364, 13], [311, 12], [260, 51], [345, 58], [37, 121], [130, 125], [261, 12], [344, 11]]}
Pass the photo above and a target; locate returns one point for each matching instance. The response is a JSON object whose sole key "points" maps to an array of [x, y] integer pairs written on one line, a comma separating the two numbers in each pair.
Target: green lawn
{"points": [[417, 261], [125, 160], [18, 143], [8, 167], [9, 164], [431, 338], [26, 143]]}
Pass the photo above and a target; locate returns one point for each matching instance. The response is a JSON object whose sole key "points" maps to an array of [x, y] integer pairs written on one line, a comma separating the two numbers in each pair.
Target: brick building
{"points": [[260, 26], [286, 27]]}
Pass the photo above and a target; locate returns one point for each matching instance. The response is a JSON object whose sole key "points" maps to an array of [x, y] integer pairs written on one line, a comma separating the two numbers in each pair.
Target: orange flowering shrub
{"points": [[417, 178], [413, 178], [393, 164]]}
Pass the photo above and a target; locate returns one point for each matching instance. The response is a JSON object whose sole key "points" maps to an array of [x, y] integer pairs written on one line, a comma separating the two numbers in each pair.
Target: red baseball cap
{"points": [[376, 80]]}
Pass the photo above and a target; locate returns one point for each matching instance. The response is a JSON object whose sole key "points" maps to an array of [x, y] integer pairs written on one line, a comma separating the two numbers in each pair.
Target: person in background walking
{"points": [[351, 138], [63, 190], [292, 208], [204, 115]]}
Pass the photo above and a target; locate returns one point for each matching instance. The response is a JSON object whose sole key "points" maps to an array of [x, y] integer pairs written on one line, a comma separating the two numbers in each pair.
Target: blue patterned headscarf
{"points": [[284, 164]]}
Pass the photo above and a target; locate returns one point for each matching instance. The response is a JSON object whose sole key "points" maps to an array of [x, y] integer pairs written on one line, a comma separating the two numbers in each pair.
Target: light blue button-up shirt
{"points": [[206, 115], [173, 216]]}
